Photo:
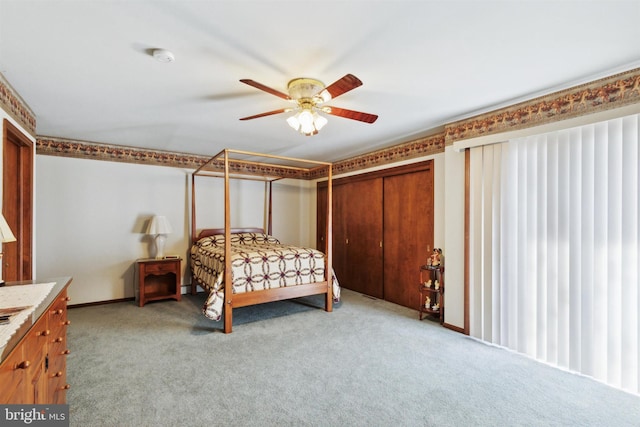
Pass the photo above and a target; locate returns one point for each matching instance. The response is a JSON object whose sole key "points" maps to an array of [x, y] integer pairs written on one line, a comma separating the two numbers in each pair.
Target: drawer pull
{"points": [[57, 374], [67, 322], [59, 339], [65, 387], [64, 353], [67, 299], [24, 364], [44, 333], [58, 311]]}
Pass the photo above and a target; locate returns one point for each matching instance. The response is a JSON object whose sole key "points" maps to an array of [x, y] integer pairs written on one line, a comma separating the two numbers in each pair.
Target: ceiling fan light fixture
{"points": [[309, 95], [325, 95], [293, 122], [319, 121], [305, 117], [307, 122]]}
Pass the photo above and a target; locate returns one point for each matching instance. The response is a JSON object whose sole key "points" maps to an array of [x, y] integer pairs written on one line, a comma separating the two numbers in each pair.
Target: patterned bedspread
{"points": [[259, 261]]}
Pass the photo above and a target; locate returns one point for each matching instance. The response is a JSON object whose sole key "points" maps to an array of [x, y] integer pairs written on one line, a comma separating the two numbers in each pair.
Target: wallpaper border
{"points": [[15, 106], [607, 93], [604, 94]]}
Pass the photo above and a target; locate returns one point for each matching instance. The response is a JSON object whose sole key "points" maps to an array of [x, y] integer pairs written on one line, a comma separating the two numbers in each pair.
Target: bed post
{"points": [[228, 286], [194, 284], [329, 243], [270, 217]]}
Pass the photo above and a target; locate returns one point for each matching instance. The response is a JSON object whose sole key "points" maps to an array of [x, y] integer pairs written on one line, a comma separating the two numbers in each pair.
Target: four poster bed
{"points": [[239, 267]]}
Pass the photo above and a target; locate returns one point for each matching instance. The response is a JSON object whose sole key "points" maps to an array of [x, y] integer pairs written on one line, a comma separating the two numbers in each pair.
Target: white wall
{"points": [[454, 173], [294, 212], [91, 216]]}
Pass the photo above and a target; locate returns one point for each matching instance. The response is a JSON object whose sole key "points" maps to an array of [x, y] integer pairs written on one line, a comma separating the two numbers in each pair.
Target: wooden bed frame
{"points": [[272, 169]]}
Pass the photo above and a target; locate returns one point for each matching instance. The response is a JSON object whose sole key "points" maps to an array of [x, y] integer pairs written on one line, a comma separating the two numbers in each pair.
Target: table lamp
{"points": [[6, 235], [160, 227]]}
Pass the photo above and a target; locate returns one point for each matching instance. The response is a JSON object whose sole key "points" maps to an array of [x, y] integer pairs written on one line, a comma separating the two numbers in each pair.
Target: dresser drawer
{"points": [[36, 341], [12, 375], [160, 268]]}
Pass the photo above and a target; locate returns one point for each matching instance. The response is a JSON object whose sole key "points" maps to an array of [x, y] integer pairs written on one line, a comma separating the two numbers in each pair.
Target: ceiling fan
{"points": [[309, 95]]}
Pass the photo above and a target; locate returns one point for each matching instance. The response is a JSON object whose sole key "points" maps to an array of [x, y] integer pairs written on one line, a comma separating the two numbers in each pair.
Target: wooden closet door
{"points": [[339, 227], [321, 218], [362, 213], [408, 231]]}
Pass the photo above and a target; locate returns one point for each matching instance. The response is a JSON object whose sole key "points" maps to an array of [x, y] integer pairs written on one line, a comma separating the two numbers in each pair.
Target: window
{"points": [[553, 268]]}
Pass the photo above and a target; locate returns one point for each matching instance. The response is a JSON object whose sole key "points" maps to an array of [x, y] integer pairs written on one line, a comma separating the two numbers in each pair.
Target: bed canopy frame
{"points": [[236, 164]]}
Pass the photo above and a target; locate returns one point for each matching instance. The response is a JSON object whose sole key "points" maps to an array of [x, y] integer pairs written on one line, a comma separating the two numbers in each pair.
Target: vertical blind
{"points": [[553, 268]]}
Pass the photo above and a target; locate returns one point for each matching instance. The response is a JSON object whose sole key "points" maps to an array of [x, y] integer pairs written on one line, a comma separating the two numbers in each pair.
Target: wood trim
{"points": [[328, 273], [454, 328], [111, 301], [193, 209], [277, 294], [270, 210], [17, 201], [382, 173], [467, 228]]}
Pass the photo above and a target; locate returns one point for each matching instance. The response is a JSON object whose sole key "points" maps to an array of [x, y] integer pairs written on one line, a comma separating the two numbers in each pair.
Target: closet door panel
{"points": [[364, 237], [339, 233], [321, 217], [408, 231]]}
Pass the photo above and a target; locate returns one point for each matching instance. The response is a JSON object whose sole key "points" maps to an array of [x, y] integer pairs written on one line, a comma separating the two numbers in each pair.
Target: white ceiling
{"points": [[85, 67]]}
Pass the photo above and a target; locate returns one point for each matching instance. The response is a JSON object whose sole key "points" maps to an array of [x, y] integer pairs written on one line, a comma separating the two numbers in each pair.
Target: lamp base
{"points": [[160, 239]]}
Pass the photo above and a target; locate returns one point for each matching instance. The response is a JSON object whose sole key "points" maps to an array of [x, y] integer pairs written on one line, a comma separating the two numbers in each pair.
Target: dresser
{"points": [[33, 361]]}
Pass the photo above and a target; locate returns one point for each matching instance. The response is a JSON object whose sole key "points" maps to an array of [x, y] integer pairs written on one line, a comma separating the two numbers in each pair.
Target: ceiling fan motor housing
{"points": [[302, 88]]}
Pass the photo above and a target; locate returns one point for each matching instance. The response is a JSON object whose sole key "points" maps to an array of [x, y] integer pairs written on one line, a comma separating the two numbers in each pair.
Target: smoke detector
{"points": [[163, 55]]}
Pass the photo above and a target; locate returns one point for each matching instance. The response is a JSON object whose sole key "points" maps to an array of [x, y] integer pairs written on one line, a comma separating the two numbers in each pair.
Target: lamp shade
{"points": [[6, 235], [159, 224]]}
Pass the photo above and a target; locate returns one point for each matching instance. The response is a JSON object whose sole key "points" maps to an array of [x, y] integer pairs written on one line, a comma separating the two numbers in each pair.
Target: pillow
{"points": [[217, 240]]}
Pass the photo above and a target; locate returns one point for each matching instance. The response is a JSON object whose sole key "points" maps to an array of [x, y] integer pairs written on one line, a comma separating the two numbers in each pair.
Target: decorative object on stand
{"points": [[435, 259], [6, 236], [159, 226], [432, 286], [308, 95]]}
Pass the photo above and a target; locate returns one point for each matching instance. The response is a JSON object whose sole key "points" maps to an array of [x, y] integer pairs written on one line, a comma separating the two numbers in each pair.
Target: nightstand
{"points": [[158, 279]]}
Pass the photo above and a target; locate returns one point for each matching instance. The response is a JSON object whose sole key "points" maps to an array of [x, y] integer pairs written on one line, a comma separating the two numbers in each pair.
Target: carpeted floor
{"points": [[368, 363]]}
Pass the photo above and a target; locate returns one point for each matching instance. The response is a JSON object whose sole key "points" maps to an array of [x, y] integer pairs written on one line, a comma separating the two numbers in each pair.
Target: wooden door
{"points": [[339, 228], [321, 218], [17, 206], [408, 232], [362, 213]]}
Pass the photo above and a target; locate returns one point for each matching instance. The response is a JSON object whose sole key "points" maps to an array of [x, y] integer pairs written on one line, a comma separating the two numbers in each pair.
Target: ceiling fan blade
{"points": [[350, 114], [269, 113], [343, 85], [265, 88]]}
